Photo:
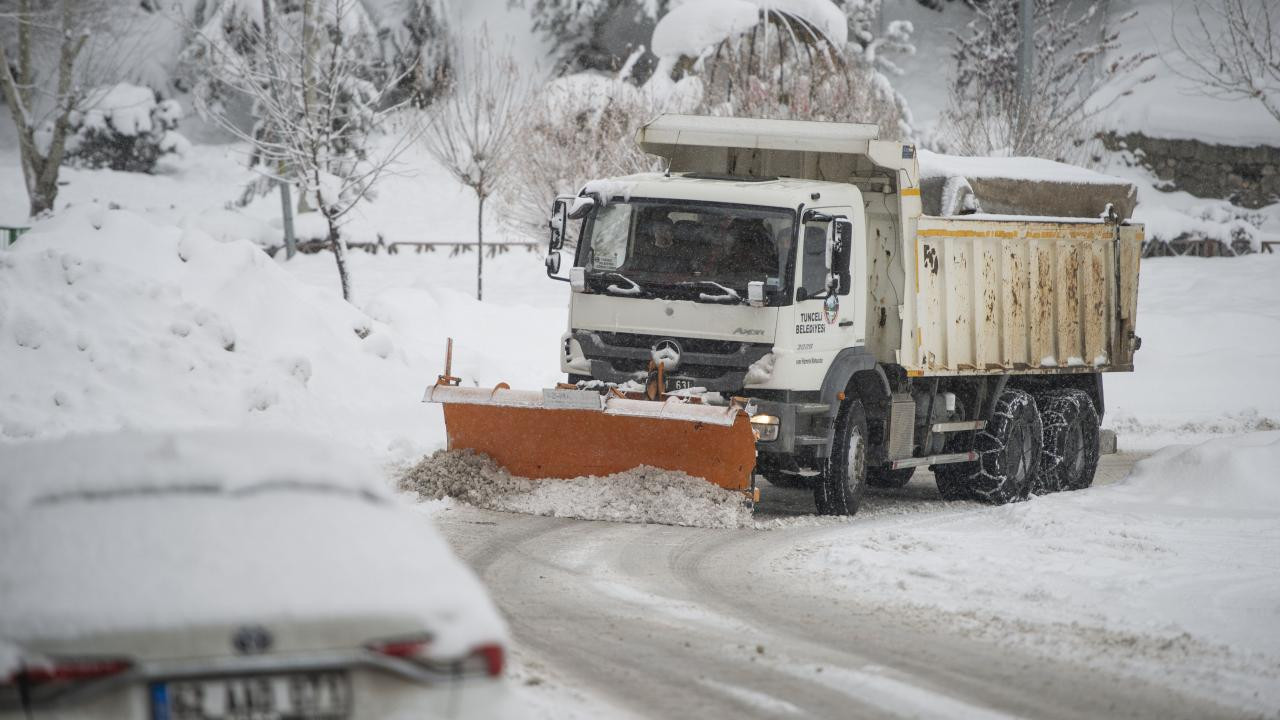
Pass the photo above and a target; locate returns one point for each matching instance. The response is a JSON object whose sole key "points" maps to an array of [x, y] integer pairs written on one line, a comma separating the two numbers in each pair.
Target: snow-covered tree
{"points": [[1233, 49], [418, 47], [125, 127], [594, 34], [986, 114], [470, 130], [794, 60], [317, 111]]}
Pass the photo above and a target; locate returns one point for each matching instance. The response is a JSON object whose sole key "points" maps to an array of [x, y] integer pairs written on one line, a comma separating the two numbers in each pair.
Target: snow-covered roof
{"points": [[780, 192]]}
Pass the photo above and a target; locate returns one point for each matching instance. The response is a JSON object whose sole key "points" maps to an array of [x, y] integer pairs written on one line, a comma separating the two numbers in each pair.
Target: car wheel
{"points": [[838, 489], [1069, 458]]}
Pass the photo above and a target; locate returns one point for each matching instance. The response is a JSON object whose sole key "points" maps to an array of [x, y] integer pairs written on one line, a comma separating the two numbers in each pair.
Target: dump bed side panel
{"points": [[1034, 297]]}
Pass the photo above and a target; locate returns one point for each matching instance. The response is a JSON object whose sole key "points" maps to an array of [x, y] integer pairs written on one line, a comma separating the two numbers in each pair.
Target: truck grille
{"points": [[715, 364]]}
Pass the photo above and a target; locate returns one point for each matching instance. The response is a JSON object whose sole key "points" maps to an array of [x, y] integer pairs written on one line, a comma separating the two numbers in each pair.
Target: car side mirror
{"points": [[755, 293]]}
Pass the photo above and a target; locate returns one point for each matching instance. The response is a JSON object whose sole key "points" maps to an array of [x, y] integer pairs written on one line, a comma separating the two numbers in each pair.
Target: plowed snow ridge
{"points": [[642, 495]]}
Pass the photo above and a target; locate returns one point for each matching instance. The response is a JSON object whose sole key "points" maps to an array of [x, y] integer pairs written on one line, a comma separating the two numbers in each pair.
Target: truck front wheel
{"points": [[1070, 456], [1008, 455], [838, 490]]}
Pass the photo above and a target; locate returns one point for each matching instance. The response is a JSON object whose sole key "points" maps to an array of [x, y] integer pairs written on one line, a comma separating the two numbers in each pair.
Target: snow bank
{"points": [[109, 320], [1236, 476], [641, 495], [198, 530], [1171, 571]]}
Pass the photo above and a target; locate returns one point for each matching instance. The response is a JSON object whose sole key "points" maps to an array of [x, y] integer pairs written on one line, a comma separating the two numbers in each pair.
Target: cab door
{"points": [[825, 312]]}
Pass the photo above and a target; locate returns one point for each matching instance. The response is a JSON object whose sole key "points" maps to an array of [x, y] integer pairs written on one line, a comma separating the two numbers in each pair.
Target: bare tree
{"points": [[987, 115], [1238, 59], [318, 115], [470, 130], [41, 140], [577, 128]]}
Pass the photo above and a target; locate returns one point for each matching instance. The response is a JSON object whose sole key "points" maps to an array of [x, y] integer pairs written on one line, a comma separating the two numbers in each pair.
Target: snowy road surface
{"points": [[662, 621]]}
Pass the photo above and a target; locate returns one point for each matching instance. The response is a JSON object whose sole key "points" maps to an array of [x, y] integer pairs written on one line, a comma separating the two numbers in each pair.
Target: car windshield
{"points": [[708, 251]]}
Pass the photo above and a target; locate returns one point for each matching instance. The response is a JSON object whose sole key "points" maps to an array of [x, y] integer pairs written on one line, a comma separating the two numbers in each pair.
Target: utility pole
{"points": [[1026, 49]]}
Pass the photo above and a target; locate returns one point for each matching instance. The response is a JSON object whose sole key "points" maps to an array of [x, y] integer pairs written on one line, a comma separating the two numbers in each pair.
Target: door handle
{"points": [[846, 323]]}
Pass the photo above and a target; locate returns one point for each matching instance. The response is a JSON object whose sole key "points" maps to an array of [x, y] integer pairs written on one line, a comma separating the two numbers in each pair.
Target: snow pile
{"points": [[1234, 476], [642, 495], [1174, 565], [109, 320], [193, 530]]}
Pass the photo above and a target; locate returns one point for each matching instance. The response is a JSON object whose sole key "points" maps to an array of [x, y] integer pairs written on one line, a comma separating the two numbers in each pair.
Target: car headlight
{"points": [[765, 427]]}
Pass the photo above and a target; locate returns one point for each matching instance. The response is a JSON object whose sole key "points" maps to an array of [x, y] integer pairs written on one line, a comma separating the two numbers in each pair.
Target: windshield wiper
{"points": [[634, 288], [727, 294]]}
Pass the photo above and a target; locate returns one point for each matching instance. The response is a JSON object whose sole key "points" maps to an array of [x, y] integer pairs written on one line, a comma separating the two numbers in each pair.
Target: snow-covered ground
{"points": [[1168, 574]]}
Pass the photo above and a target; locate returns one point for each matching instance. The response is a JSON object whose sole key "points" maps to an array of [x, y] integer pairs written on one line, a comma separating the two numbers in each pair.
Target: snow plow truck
{"points": [[805, 302]]}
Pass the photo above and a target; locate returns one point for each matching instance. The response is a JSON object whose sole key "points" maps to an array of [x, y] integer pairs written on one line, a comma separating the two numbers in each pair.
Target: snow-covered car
{"points": [[228, 575]]}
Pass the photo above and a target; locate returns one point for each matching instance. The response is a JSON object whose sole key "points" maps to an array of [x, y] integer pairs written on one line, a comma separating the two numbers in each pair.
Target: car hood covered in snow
{"points": [[165, 544]]}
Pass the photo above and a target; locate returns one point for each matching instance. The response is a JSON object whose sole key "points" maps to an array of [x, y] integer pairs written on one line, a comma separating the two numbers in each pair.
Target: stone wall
{"points": [[1248, 177]]}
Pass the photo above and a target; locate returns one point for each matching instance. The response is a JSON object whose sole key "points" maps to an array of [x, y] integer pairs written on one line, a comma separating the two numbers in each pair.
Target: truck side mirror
{"points": [[558, 223], [553, 263]]}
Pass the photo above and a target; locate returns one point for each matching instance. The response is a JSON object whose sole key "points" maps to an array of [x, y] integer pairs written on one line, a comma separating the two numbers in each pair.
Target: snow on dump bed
{"points": [[1013, 168], [133, 532], [641, 495], [1176, 565]]}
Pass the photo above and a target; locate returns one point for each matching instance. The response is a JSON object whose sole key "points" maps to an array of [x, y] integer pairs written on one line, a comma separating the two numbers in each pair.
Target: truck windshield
{"points": [[699, 250]]}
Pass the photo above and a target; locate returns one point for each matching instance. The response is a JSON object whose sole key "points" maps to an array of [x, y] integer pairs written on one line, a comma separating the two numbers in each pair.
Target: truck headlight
{"points": [[765, 427]]}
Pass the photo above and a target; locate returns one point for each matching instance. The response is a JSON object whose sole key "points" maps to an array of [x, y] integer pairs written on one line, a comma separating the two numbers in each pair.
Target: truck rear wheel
{"points": [[1070, 456], [838, 490], [1008, 455], [883, 477]]}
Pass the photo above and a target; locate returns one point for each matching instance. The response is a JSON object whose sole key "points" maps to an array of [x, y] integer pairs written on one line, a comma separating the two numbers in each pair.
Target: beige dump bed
{"points": [[1023, 296]]}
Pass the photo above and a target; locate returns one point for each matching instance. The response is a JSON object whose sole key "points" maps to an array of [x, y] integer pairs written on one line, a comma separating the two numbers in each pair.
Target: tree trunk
{"points": [[339, 247], [42, 197], [480, 247]]}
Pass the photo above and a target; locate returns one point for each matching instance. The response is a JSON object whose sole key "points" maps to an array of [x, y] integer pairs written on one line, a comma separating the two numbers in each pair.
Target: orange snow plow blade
{"points": [[565, 433]]}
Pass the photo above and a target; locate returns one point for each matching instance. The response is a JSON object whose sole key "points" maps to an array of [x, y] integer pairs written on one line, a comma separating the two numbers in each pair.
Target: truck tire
{"points": [[1071, 436], [1008, 455], [889, 479], [838, 489]]}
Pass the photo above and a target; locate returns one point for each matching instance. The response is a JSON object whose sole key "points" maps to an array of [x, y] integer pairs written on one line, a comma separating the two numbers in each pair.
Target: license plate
{"points": [[295, 696], [674, 384]]}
